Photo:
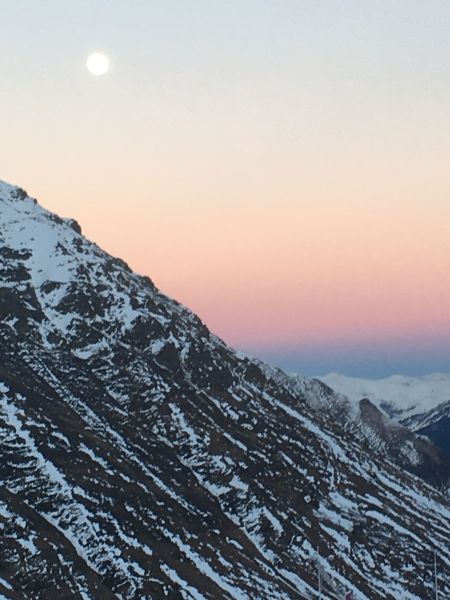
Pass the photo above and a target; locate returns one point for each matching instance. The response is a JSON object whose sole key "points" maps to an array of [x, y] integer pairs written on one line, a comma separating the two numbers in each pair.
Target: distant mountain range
{"points": [[399, 396], [141, 457], [420, 403]]}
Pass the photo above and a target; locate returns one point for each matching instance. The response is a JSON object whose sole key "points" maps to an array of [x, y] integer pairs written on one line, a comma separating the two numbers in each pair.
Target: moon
{"points": [[98, 64]]}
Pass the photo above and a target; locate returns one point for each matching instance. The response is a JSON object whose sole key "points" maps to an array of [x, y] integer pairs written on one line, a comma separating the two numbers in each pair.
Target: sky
{"points": [[280, 166]]}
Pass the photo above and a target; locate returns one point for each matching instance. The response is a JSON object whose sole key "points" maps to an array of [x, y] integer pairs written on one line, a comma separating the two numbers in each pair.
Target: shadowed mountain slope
{"points": [[140, 457]]}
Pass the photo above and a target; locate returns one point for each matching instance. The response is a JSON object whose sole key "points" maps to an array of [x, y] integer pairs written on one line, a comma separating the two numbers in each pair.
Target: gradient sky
{"points": [[281, 167]]}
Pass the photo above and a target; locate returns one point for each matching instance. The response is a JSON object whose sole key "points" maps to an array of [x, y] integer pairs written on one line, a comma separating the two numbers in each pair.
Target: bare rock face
{"points": [[422, 404], [140, 457], [371, 414], [413, 452]]}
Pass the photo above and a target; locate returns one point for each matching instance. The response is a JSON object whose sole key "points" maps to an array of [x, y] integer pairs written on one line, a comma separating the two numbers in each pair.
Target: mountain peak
{"points": [[28, 206], [141, 457], [6, 188]]}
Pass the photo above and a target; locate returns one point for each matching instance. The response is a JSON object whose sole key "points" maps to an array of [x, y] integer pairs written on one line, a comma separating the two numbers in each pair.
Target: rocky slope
{"points": [[140, 457], [373, 426], [420, 404]]}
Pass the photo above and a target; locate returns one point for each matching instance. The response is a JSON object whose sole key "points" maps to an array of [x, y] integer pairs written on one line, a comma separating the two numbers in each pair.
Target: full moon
{"points": [[97, 64]]}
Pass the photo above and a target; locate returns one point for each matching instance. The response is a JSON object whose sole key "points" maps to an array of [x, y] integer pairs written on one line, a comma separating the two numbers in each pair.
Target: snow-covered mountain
{"points": [[400, 396], [387, 437], [141, 457], [421, 404]]}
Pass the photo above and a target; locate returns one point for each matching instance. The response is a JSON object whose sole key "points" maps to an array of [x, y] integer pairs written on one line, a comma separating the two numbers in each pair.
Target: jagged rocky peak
{"points": [[13, 192], [141, 457]]}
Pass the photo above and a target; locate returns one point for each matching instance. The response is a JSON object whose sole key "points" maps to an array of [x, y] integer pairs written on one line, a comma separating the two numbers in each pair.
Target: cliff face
{"points": [[140, 457], [410, 416]]}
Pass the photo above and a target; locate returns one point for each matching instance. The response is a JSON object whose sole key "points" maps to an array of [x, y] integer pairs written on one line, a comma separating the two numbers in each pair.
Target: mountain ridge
{"points": [[401, 394], [141, 457], [420, 404]]}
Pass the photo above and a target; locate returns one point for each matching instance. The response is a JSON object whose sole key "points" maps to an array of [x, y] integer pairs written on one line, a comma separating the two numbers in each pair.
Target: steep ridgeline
{"points": [[140, 457], [422, 404], [373, 426]]}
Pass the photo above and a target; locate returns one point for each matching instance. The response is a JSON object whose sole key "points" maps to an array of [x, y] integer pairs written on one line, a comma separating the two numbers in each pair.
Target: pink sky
{"points": [[317, 272], [283, 171]]}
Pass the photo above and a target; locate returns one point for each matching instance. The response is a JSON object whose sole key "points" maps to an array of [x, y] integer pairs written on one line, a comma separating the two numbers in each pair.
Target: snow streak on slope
{"points": [[140, 457]]}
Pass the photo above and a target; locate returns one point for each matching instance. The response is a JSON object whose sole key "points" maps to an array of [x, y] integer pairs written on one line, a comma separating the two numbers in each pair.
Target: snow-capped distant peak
{"points": [[404, 394]]}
